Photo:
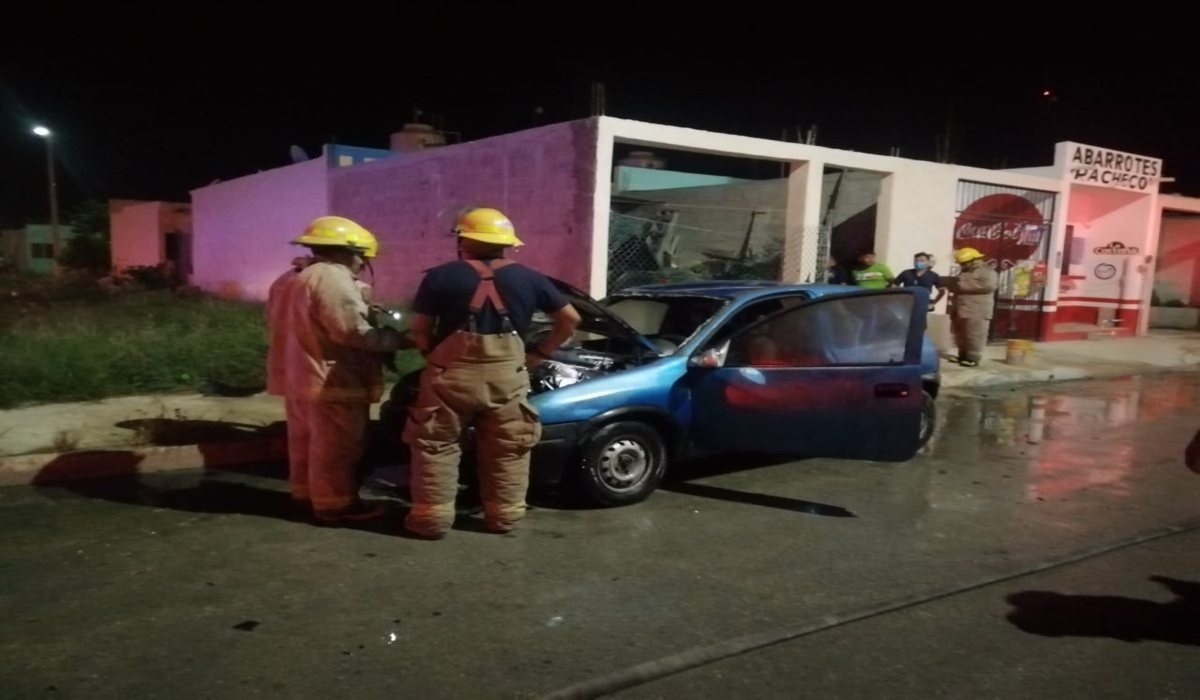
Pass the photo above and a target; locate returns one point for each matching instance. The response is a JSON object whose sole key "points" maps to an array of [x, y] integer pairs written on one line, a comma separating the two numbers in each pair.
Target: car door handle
{"points": [[891, 391]]}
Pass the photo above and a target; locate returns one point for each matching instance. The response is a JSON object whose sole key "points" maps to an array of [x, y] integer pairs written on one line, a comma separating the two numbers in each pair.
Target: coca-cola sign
{"points": [[1006, 228]]}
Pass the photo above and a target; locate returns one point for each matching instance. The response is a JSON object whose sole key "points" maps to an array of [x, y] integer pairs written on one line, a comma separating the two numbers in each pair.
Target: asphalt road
{"points": [[198, 585]]}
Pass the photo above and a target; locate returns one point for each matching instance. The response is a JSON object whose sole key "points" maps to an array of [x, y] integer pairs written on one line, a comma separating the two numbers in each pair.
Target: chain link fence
{"points": [[807, 257], [654, 245]]}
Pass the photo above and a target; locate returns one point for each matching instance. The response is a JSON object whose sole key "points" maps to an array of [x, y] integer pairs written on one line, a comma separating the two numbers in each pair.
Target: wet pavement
{"points": [[196, 585]]}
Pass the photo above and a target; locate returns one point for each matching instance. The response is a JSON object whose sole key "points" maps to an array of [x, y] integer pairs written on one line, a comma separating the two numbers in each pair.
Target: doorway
{"points": [[1011, 227], [177, 249]]}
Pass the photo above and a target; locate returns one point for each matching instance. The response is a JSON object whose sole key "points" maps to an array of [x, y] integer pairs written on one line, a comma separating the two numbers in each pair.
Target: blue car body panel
{"points": [[839, 409], [662, 384]]}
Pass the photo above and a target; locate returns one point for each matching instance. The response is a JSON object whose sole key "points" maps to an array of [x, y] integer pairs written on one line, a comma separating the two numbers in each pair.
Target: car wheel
{"points": [[928, 419], [622, 463]]}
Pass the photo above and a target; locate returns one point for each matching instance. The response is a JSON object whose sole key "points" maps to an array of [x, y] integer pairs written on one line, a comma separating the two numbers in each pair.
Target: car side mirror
{"points": [[711, 358]]}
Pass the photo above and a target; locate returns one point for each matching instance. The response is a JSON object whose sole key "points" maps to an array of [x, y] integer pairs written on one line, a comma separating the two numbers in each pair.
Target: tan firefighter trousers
{"points": [[971, 337], [480, 381], [325, 443]]}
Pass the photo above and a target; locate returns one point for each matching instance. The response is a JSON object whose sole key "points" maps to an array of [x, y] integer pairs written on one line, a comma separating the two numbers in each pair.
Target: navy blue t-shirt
{"points": [[446, 292], [910, 278]]}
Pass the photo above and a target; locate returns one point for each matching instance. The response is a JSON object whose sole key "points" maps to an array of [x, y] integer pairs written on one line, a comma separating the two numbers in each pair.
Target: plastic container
{"points": [[1018, 352]]}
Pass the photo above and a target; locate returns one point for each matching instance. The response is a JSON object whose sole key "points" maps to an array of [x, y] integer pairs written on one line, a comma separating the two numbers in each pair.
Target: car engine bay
{"points": [[572, 365], [580, 361]]}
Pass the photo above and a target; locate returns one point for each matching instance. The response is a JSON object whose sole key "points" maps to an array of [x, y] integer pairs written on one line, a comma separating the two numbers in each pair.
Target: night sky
{"points": [[167, 121]]}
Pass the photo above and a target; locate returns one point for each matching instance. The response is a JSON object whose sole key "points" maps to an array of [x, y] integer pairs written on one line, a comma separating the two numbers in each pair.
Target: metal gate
{"points": [[1011, 227]]}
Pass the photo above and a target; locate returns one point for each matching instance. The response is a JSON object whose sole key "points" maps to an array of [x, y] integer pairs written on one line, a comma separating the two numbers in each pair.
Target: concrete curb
{"points": [[1054, 375], [39, 469], [985, 378]]}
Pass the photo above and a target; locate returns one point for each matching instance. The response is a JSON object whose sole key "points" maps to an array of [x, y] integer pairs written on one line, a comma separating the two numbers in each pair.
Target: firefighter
{"points": [[469, 320], [974, 304], [324, 359]]}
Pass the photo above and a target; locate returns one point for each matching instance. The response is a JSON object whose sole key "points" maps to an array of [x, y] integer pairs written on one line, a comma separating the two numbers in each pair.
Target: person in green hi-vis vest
{"points": [[870, 274]]}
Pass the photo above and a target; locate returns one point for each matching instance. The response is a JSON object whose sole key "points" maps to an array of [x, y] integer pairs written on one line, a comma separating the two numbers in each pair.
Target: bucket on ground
{"points": [[1018, 352]]}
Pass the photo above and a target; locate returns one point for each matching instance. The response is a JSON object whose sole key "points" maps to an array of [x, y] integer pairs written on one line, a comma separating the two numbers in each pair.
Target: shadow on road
{"points": [[682, 481], [1052, 614], [168, 432], [223, 490], [216, 493]]}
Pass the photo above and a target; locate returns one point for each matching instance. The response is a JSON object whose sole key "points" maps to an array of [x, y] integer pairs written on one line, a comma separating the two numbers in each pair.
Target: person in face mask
{"points": [[922, 276]]}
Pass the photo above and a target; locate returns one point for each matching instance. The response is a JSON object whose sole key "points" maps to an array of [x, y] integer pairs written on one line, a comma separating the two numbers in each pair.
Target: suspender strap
{"points": [[486, 291]]}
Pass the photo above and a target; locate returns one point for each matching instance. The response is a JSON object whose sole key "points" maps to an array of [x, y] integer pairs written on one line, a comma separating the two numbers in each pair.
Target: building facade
{"points": [[148, 234], [1076, 241], [30, 249]]}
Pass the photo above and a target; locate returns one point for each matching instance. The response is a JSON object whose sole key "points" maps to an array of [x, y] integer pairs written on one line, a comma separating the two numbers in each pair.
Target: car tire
{"points": [[621, 463], [928, 419]]}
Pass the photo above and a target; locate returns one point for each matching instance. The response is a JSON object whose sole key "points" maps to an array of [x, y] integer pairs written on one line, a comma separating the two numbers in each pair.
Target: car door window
{"points": [[850, 330], [753, 313]]}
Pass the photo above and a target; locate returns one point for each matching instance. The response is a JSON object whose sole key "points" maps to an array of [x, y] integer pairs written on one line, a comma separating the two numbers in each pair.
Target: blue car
{"points": [[658, 372]]}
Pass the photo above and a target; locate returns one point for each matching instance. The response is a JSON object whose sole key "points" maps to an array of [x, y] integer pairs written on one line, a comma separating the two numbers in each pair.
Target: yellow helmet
{"points": [[339, 231], [966, 255], [487, 226]]}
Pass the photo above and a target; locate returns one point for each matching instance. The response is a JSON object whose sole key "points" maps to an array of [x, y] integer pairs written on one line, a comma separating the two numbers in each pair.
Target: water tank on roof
{"points": [[416, 137], [643, 159]]}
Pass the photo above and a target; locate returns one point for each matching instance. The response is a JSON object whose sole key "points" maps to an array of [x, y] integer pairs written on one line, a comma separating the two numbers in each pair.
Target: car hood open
{"points": [[597, 319]]}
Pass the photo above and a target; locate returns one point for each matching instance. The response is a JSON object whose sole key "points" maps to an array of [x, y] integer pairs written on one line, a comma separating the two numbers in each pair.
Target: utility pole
{"points": [[945, 149], [783, 166], [53, 187], [598, 98]]}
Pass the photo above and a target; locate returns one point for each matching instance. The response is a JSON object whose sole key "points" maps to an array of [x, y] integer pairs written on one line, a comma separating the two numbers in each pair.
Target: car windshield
{"points": [[679, 316]]}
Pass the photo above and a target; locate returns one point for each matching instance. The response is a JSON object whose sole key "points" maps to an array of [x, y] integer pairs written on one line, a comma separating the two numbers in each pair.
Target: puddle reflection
{"points": [[1066, 440]]}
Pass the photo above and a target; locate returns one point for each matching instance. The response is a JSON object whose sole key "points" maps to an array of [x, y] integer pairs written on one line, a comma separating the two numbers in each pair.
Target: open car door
{"points": [[838, 376]]}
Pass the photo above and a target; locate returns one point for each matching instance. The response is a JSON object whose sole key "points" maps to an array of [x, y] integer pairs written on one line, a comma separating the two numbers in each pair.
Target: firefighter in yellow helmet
{"points": [[973, 304], [324, 359], [469, 319]]}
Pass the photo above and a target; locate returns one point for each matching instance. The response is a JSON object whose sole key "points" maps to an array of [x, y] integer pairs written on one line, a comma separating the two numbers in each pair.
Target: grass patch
{"points": [[93, 345]]}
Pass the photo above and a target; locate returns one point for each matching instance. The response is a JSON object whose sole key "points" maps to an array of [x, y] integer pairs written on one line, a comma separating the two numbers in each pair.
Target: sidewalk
{"points": [[1080, 359], [154, 433]]}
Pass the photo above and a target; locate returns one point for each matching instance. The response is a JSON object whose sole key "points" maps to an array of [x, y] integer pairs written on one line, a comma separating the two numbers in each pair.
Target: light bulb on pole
{"points": [[45, 133]]}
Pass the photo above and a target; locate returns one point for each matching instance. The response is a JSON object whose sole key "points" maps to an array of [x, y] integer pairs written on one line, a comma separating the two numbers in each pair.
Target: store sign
{"points": [[1006, 228], [1090, 165], [1116, 248]]}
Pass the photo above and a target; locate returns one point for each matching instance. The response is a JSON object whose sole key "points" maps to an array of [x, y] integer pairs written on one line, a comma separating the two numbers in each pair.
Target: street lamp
{"points": [[46, 134]]}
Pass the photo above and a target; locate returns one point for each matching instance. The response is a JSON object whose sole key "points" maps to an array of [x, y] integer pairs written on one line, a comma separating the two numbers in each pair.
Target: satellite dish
{"points": [[298, 154]]}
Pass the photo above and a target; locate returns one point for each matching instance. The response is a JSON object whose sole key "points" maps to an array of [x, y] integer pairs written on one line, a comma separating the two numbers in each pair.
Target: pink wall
{"points": [[543, 179], [1178, 275], [1100, 217], [1105, 285], [136, 237], [241, 228], [138, 230]]}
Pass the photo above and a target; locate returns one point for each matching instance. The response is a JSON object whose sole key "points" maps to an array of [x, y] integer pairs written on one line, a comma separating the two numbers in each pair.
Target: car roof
{"points": [[730, 289]]}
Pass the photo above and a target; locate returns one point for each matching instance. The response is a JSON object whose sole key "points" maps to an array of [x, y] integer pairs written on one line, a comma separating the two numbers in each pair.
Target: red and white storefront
{"points": [[1075, 262], [1075, 242]]}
